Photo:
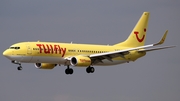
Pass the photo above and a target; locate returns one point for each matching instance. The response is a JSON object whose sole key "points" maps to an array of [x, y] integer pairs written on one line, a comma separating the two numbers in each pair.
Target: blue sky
{"points": [[154, 77]]}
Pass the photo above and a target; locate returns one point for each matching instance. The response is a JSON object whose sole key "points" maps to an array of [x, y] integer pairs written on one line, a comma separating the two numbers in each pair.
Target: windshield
{"points": [[14, 48]]}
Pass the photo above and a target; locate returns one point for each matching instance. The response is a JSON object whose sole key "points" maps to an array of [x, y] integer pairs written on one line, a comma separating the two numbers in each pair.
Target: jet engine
{"points": [[80, 61], [44, 65]]}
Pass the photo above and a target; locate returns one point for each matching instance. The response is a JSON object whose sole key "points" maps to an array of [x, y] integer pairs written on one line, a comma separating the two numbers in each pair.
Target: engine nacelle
{"points": [[80, 61], [44, 65]]}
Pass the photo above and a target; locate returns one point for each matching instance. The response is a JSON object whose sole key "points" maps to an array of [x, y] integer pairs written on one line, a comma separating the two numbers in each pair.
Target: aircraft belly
{"points": [[26, 58], [44, 59]]}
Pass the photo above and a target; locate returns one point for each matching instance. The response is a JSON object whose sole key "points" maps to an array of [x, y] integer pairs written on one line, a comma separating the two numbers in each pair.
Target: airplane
{"points": [[47, 55]]}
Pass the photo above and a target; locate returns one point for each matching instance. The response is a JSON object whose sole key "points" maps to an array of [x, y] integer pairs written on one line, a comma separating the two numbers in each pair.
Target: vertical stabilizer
{"points": [[138, 34]]}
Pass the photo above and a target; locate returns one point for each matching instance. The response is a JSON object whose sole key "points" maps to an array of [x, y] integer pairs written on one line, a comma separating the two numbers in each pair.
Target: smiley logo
{"points": [[137, 37]]}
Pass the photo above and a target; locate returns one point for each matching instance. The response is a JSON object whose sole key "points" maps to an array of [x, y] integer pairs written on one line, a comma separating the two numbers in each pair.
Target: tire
{"points": [[67, 71], [19, 68], [92, 69], [88, 70], [71, 71]]}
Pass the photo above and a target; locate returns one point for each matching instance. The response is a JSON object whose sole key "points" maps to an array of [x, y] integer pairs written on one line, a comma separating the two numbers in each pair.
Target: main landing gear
{"points": [[16, 62], [88, 70], [69, 70]]}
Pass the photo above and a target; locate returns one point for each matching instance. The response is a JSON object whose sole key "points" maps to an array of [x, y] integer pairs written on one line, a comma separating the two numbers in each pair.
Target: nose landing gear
{"points": [[16, 62], [19, 67]]}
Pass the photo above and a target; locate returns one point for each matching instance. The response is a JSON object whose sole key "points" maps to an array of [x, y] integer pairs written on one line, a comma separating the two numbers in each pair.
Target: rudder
{"points": [[138, 34]]}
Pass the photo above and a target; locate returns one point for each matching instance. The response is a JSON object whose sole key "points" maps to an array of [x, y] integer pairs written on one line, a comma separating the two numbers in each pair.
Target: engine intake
{"points": [[80, 61], [44, 65]]}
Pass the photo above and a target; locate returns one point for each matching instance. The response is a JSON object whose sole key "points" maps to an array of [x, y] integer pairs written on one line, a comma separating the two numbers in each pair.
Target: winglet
{"points": [[162, 39]]}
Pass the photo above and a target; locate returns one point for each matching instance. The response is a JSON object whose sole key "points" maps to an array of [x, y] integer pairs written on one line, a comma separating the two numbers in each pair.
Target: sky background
{"points": [[155, 77]]}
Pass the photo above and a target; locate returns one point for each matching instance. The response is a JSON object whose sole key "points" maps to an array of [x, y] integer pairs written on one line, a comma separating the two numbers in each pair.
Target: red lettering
{"points": [[63, 51], [84, 60], [56, 49], [59, 48], [46, 50], [40, 48], [51, 49]]}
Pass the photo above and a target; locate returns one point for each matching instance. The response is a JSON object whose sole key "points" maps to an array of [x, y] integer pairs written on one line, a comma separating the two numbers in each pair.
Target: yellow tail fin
{"points": [[138, 34]]}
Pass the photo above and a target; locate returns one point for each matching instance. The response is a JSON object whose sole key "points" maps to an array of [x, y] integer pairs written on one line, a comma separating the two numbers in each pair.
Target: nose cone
{"points": [[5, 53], [8, 54]]}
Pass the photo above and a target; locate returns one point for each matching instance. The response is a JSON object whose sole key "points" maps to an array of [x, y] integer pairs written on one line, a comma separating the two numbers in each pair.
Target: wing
{"points": [[156, 48], [109, 55]]}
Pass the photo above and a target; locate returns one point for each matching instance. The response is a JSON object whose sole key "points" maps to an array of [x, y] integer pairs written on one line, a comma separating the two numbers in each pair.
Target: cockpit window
{"points": [[14, 48], [17, 47]]}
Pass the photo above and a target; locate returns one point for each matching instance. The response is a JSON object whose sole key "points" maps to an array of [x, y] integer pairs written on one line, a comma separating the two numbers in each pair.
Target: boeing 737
{"points": [[47, 55]]}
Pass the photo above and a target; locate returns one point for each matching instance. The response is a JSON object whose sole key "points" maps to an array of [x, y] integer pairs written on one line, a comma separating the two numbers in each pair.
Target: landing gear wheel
{"points": [[90, 70], [19, 68], [69, 70]]}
